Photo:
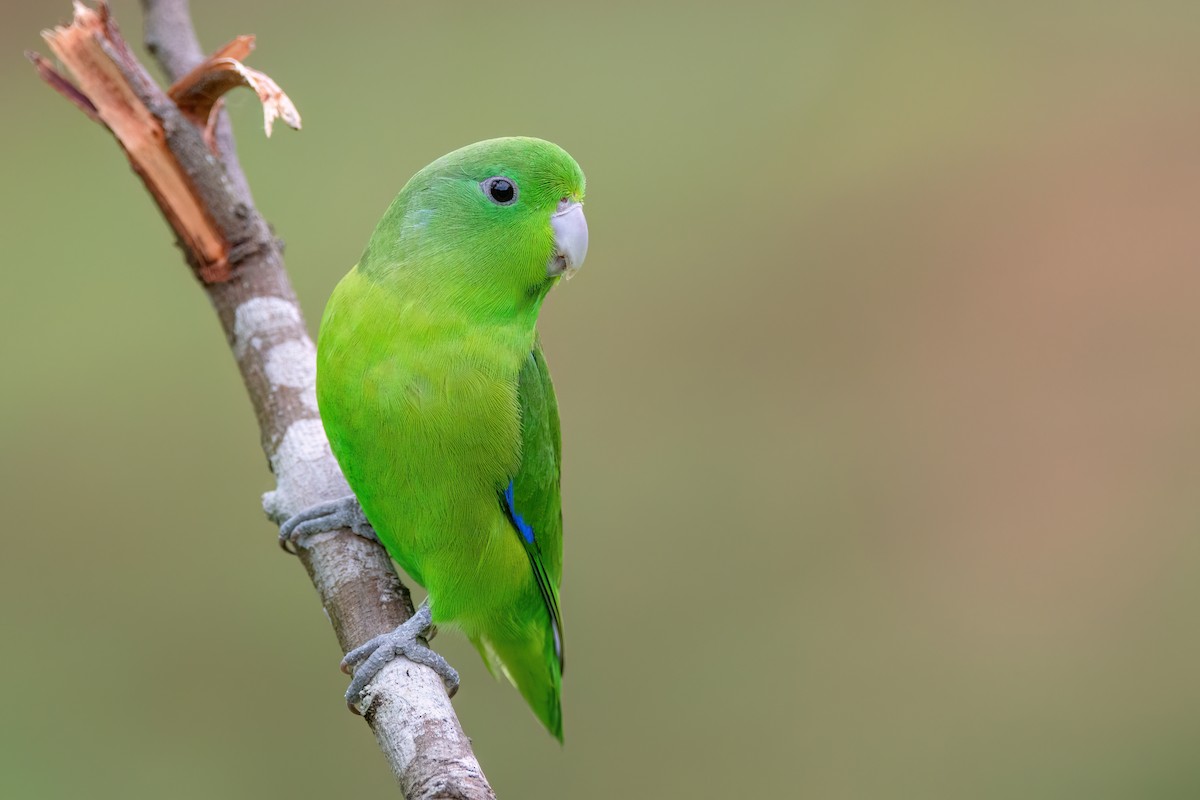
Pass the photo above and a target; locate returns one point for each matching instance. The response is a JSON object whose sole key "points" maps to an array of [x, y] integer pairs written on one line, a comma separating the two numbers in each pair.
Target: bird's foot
{"points": [[409, 640], [343, 513]]}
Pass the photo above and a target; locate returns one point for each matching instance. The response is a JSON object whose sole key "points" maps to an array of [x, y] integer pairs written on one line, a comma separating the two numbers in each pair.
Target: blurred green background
{"points": [[880, 398]]}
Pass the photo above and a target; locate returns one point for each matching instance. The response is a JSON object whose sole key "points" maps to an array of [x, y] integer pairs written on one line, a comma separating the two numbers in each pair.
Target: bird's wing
{"points": [[532, 500]]}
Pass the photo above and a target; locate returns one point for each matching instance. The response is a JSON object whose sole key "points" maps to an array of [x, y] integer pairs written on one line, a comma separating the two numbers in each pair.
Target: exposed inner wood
{"points": [[81, 46]]}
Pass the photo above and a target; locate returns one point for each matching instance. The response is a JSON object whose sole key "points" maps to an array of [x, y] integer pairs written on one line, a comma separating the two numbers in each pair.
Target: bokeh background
{"points": [[881, 400]]}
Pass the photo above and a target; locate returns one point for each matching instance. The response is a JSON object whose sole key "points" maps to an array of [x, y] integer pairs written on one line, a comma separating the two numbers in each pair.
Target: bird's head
{"points": [[496, 223]]}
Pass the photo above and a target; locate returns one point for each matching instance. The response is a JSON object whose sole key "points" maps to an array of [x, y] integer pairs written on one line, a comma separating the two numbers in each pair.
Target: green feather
{"points": [[435, 395]]}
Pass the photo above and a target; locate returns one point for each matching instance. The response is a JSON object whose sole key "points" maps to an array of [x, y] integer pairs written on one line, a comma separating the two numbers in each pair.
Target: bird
{"points": [[438, 404]]}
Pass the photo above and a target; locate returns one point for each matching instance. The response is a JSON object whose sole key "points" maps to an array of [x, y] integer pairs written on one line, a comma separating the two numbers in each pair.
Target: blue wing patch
{"points": [[517, 520], [545, 588]]}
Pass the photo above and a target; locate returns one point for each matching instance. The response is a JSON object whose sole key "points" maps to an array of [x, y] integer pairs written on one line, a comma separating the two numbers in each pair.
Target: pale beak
{"points": [[570, 239]]}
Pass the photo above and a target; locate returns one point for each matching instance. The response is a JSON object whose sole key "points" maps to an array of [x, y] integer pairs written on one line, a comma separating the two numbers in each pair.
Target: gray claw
{"points": [[342, 513], [408, 640]]}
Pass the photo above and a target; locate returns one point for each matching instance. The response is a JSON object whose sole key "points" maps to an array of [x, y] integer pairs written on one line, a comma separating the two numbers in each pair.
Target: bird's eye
{"points": [[500, 190]]}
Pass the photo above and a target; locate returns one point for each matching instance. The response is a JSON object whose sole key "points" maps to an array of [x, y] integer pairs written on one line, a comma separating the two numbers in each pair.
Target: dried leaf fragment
{"points": [[197, 93]]}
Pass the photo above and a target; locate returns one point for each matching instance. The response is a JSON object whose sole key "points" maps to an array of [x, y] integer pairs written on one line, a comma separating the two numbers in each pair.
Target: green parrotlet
{"points": [[439, 407]]}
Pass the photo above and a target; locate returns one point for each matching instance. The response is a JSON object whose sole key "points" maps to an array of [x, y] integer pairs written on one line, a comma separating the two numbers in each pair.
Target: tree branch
{"points": [[233, 253]]}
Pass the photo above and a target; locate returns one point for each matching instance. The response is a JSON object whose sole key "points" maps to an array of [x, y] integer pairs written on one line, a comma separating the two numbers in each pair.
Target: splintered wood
{"points": [[113, 89]]}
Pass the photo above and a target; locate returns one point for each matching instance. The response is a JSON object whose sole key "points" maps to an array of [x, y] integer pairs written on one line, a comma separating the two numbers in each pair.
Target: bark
{"points": [[181, 145]]}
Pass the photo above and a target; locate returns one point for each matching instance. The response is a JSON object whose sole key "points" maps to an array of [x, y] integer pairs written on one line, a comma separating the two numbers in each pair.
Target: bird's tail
{"points": [[531, 664]]}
